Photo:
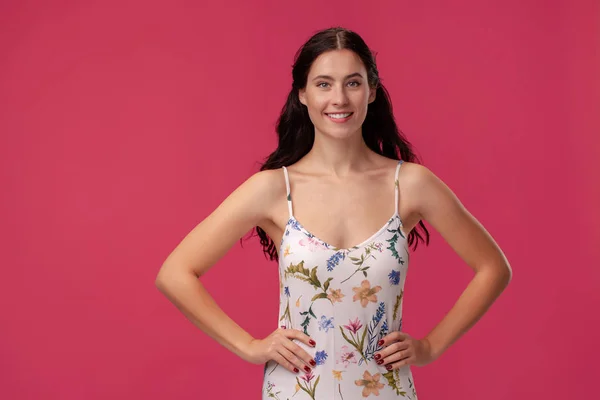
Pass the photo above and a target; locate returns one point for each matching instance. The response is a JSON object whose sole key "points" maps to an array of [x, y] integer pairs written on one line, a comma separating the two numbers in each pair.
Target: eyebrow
{"points": [[331, 79]]}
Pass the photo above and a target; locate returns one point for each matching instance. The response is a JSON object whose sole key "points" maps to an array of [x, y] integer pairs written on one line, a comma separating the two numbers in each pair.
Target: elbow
{"points": [[161, 284], [504, 275], [170, 276], [163, 279], [497, 274], [509, 273]]}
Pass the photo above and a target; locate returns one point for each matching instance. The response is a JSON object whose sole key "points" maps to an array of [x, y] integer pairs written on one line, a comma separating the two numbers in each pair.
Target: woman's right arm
{"points": [[248, 206]]}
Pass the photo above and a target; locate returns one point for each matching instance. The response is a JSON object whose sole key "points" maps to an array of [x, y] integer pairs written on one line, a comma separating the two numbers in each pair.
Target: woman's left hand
{"points": [[400, 350]]}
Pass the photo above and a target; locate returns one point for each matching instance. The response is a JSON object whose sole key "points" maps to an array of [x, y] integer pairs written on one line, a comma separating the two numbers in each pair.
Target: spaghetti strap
{"points": [[396, 186], [288, 193]]}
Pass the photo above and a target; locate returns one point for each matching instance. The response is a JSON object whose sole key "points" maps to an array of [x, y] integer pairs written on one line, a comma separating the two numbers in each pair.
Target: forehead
{"points": [[337, 63]]}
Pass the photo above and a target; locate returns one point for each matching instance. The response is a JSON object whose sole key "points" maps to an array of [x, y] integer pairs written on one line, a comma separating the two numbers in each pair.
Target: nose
{"points": [[339, 96]]}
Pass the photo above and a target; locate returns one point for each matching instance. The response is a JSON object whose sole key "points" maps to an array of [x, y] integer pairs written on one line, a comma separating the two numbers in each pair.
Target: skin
{"points": [[333, 190]]}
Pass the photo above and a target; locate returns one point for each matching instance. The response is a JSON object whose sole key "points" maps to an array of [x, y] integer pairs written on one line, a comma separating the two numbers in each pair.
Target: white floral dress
{"points": [[346, 300]]}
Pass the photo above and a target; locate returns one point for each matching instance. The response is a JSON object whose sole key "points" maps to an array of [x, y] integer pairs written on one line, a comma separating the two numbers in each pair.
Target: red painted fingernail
{"points": [[307, 369], [380, 362], [377, 356], [282, 326], [380, 342], [388, 367], [313, 362], [296, 370], [312, 342]]}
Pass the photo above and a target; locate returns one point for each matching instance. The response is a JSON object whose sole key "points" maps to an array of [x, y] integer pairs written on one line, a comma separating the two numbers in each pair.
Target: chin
{"points": [[340, 133]]}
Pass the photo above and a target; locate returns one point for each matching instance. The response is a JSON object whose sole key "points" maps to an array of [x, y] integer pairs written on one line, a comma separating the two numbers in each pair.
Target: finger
{"points": [[292, 358], [301, 354], [397, 356], [391, 349], [395, 336], [400, 364], [299, 335], [279, 359]]}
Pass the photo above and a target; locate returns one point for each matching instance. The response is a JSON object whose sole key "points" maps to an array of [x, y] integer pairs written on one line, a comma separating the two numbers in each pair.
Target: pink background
{"points": [[123, 124]]}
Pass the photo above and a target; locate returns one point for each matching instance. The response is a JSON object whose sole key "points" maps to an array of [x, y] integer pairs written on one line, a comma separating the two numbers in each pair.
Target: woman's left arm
{"points": [[440, 207]]}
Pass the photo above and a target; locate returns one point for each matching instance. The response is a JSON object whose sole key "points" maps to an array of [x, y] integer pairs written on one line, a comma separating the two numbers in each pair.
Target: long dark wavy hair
{"points": [[296, 131]]}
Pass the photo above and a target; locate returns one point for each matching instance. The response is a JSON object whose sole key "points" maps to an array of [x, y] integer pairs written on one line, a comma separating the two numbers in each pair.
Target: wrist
{"points": [[244, 349], [433, 349]]}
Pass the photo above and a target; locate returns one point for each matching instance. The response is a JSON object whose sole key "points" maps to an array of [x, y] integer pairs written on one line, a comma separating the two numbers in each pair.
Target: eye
{"points": [[321, 83], [357, 83]]}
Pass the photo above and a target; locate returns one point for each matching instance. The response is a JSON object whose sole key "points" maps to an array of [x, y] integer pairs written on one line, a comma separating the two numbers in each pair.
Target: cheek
{"points": [[318, 102], [363, 97]]}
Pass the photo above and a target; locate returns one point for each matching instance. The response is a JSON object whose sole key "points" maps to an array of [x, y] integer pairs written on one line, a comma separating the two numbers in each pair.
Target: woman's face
{"points": [[337, 86]]}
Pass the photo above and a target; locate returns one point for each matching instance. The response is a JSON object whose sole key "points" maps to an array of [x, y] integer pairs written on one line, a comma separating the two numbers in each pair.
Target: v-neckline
{"points": [[346, 249]]}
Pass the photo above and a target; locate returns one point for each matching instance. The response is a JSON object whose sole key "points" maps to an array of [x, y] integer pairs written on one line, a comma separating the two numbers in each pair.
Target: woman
{"points": [[356, 200]]}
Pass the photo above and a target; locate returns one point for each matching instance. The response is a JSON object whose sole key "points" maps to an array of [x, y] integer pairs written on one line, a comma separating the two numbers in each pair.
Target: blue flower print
{"points": [[325, 323], [334, 260], [286, 290], [320, 357], [295, 225], [394, 277]]}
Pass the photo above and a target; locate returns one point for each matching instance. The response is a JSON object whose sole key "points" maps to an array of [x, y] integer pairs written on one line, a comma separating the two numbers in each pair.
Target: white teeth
{"points": [[339, 115]]}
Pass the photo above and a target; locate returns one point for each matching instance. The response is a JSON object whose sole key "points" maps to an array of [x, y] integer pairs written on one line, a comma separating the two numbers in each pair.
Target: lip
{"points": [[340, 120]]}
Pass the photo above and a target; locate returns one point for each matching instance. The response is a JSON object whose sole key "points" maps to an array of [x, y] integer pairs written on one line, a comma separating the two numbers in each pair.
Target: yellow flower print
{"points": [[287, 251], [365, 293], [337, 374]]}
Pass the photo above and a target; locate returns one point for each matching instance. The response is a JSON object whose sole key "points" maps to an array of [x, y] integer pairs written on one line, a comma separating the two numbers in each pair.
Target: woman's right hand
{"points": [[279, 347]]}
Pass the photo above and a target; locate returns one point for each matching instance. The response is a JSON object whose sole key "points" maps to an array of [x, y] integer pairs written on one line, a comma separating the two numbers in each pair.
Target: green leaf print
{"points": [[299, 272], [306, 320], [304, 388], [286, 314], [393, 380], [392, 245], [393, 241], [411, 385], [362, 339], [309, 388], [314, 279], [359, 261], [355, 342], [319, 296], [310, 276], [397, 305], [270, 393]]}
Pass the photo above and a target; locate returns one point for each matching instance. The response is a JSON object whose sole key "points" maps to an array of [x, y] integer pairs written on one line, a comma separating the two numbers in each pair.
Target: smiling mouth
{"points": [[339, 115]]}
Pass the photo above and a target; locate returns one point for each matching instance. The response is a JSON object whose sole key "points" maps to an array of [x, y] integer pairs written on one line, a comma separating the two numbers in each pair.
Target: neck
{"points": [[338, 157]]}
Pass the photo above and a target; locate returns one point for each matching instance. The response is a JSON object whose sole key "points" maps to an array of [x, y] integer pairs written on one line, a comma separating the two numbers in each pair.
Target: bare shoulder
{"points": [[413, 173], [267, 189], [423, 188], [249, 205], [266, 183], [436, 203], [256, 201]]}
